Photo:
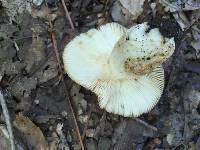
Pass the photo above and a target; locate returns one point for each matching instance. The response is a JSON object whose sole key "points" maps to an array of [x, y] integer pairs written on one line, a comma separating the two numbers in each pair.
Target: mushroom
{"points": [[122, 66]]}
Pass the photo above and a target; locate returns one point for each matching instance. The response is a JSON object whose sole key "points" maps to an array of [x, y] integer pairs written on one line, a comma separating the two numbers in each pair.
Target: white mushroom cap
{"points": [[122, 66]]}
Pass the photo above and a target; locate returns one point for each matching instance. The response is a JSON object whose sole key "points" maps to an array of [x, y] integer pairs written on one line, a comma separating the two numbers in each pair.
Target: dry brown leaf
{"points": [[36, 53], [126, 11], [43, 13], [181, 5], [135, 7], [181, 20], [31, 132], [131, 131], [120, 14]]}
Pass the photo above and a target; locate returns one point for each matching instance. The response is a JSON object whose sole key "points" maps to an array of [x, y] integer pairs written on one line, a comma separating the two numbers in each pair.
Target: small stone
{"points": [[36, 101]]}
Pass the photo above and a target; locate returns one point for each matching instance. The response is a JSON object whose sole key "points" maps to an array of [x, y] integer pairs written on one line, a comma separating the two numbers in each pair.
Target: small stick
{"points": [[53, 36], [7, 119], [189, 28], [67, 14], [16, 46], [146, 124]]}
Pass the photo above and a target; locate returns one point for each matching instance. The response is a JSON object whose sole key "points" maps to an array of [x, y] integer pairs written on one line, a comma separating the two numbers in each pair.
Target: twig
{"points": [[7, 119], [67, 15], [105, 7], [53, 36], [16, 46], [146, 124], [188, 30]]}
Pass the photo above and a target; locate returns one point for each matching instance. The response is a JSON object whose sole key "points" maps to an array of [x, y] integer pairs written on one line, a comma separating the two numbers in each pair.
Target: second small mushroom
{"points": [[122, 66]]}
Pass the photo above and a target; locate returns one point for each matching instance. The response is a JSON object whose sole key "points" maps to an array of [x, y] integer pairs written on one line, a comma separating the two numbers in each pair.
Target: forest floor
{"points": [[49, 111]]}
